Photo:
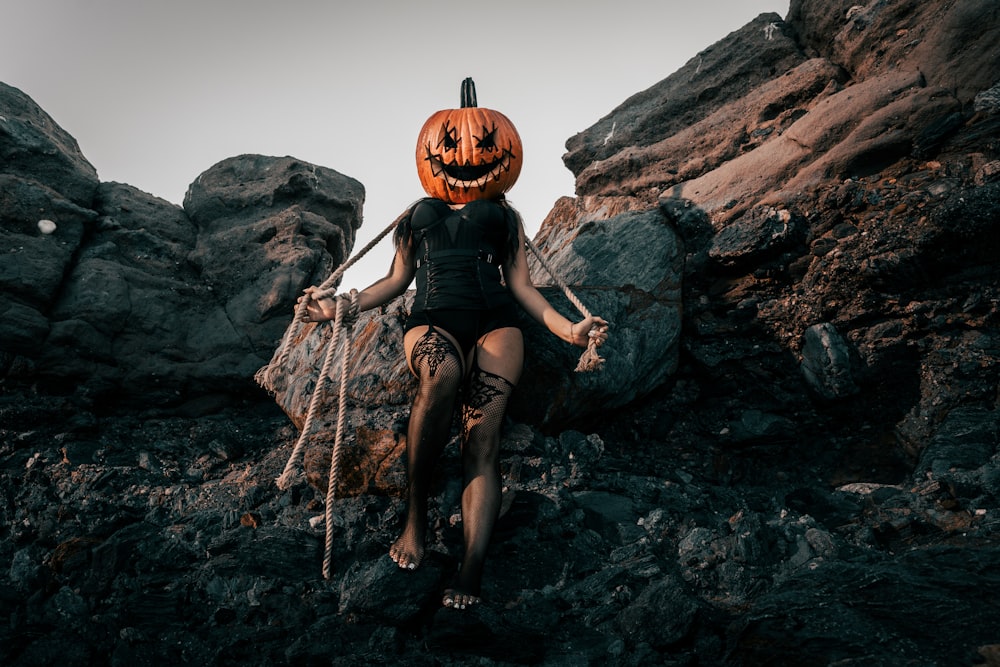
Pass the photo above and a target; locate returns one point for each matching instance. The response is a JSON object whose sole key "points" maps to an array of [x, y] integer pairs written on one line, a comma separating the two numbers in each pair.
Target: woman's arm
{"points": [[378, 293], [519, 282]]}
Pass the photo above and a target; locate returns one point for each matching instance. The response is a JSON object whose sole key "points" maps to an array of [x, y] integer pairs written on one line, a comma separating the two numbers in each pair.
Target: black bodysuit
{"points": [[459, 254]]}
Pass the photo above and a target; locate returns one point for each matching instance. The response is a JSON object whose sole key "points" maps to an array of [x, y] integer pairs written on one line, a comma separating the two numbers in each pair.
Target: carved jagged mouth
{"points": [[469, 175]]}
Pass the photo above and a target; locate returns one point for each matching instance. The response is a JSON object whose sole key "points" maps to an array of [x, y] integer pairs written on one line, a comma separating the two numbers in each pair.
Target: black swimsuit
{"points": [[460, 287]]}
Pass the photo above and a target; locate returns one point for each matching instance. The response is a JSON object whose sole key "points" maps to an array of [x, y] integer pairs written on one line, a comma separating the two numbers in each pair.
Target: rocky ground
{"points": [[146, 539]]}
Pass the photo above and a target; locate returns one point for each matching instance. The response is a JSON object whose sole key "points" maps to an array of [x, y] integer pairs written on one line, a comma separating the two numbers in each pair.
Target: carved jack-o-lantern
{"points": [[468, 153]]}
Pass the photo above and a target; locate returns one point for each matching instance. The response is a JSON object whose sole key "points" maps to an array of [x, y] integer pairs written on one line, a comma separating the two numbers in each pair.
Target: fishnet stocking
{"points": [[438, 367], [482, 416]]}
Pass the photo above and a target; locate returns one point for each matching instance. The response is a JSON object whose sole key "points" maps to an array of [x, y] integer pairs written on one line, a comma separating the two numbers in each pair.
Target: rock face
{"points": [[792, 456], [131, 297]]}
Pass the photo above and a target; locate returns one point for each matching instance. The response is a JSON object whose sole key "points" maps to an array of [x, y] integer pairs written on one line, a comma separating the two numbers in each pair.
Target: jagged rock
{"points": [[43, 176], [826, 362], [756, 426], [130, 298], [35, 148], [916, 38], [268, 227], [757, 236], [597, 258], [659, 631], [727, 70], [849, 131], [874, 598], [988, 101], [376, 589], [963, 453]]}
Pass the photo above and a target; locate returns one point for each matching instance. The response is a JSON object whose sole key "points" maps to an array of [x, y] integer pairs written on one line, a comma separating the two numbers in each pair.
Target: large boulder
{"points": [[778, 106], [626, 268], [268, 228], [110, 292], [46, 199]]}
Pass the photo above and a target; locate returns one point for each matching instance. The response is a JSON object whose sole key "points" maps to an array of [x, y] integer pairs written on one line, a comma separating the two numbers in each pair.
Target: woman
{"points": [[461, 338]]}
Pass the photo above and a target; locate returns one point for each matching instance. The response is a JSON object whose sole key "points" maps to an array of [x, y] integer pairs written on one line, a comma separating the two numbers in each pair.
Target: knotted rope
{"points": [[343, 320]]}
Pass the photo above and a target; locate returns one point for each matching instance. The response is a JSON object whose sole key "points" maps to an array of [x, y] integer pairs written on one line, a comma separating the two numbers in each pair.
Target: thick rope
{"points": [[590, 360], [338, 449], [290, 475]]}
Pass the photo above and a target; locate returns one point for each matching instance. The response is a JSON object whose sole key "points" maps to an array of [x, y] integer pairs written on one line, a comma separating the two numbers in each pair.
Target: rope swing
{"points": [[343, 323]]}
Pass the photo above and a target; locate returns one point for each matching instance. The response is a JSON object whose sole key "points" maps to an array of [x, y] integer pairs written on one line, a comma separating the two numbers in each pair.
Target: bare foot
{"points": [[456, 599], [408, 550]]}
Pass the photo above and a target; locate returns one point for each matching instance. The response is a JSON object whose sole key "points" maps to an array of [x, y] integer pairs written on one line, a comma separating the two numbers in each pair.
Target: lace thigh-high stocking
{"points": [[438, 368], [482, 417]]}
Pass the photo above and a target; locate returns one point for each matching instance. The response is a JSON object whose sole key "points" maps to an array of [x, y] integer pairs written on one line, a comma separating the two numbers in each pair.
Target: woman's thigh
{"points": [[501, 352], [412, 337]]}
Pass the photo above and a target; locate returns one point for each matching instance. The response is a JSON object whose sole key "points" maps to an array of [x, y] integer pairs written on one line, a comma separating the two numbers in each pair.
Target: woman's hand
{"points": [[317, 310], [581, 333]]}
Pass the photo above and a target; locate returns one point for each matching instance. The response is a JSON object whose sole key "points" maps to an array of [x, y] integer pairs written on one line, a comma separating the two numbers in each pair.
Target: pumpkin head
{"points": [[468, 153]]}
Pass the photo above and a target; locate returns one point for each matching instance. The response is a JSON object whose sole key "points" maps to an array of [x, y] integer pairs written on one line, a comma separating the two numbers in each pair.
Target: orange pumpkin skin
{"points": [[468, 153]]}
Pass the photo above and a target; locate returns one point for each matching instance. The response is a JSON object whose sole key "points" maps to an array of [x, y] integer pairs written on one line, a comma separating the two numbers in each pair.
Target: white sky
{"points": [[158, 91]]}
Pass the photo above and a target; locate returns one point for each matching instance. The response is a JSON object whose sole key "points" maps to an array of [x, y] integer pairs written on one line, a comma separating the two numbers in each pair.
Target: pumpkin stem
{"points": [[468, 93]]}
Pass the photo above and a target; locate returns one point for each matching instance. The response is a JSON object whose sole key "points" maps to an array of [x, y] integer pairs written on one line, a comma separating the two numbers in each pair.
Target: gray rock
{"points": [[757, 236], [663, 615], [380, 589], [826, 362], [35, 148]]}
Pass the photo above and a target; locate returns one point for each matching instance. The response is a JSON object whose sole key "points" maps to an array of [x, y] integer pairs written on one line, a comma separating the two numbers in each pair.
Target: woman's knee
{"points": [[481, 446]]}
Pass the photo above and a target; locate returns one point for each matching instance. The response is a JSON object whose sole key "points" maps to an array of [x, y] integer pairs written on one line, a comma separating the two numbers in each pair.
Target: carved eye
{"points": [[449, 137], [489, 141]]}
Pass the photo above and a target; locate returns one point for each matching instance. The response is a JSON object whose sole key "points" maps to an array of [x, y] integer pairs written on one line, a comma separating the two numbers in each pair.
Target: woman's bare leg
{"points": [[434, 359], [499, 359]]}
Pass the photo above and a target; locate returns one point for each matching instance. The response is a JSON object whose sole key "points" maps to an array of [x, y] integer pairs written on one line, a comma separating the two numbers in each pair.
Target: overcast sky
{"points": [[158, 91]]}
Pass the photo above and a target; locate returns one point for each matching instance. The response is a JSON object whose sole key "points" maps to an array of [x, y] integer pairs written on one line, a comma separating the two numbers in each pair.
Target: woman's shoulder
{"points": [[434, 203], [427, 211], [489, 207], [429, 204]]}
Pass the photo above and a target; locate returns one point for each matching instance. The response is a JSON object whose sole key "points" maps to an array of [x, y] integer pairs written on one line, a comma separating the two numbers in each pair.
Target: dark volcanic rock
{"points": [[34, 148], [46, 191], [116, 294]]}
